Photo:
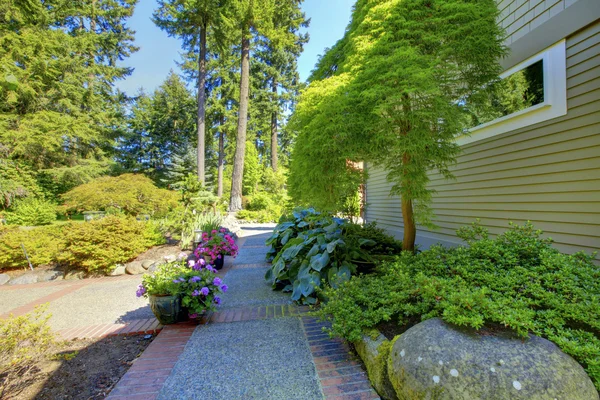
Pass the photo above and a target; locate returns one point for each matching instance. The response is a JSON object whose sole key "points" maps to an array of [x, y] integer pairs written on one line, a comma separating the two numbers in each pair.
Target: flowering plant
{"points": [[195, 282], [216, 245]]}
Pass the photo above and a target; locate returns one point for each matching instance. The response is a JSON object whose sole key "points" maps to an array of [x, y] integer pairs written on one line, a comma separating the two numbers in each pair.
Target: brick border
{"points": [[147, 375], [341, 374]]}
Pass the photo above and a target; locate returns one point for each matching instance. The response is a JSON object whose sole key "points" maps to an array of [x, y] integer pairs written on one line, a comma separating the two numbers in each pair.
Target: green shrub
{"points": [[43, 244], [517, 280], [259, 202], [97, 246], [315, 249], [24, 341], [31, 212], [130, 194]]}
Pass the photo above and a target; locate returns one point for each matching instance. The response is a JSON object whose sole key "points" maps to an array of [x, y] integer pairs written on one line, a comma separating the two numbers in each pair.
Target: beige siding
{"points": [[548, 173], [519, 17]]}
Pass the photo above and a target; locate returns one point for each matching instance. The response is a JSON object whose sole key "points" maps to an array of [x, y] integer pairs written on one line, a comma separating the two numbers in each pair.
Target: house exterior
{"points": [[540, 164]]}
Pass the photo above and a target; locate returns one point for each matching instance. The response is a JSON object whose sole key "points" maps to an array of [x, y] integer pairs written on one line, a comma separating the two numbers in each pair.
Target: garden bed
{"points": [[83, 369]]}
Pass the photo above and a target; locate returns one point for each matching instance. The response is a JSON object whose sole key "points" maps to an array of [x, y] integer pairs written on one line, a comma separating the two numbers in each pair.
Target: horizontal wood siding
{"points": [[519, 17], [548, 173]]}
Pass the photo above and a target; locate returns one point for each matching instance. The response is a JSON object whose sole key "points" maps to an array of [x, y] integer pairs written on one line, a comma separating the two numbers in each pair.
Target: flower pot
{"points": [[167, 309], [218, 263]]}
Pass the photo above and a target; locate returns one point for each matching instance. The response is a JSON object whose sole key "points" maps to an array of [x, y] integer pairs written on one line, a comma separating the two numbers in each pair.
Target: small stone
{"points": [[154, 266], [119, 270], [134, 268], [454, 373], [24, 279], [436, 379], [517, 385], [147, 263], [147, 337], [4, 278], [170, 258], [74, 275]]}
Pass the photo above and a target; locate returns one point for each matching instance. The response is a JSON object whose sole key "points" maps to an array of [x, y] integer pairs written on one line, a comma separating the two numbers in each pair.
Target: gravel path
{"points": [[99, 303], [11, 299], [265, 359]]}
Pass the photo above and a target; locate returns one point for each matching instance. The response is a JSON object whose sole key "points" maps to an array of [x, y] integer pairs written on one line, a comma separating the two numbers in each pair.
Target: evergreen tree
{"points": [[391, 92], [58, 108], [191, 20]]}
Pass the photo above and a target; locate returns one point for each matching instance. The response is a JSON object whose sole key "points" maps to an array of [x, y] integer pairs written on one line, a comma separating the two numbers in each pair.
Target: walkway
{"points": [[257, 346]]}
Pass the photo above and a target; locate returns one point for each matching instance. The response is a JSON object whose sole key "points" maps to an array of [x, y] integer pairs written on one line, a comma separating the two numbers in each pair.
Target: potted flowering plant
{"points": [[163, 293], [182, 288], [215, 246], [200, 288]]}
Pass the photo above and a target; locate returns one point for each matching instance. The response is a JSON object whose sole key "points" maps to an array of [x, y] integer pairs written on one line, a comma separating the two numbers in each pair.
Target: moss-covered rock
{"points": [[374, 351], [434, 360]]}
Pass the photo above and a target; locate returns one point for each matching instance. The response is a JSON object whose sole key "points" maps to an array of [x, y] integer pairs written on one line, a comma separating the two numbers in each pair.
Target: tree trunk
{"points": [[274, 142], [235, 201], [221, 158], [201, 104], [410, 229]]}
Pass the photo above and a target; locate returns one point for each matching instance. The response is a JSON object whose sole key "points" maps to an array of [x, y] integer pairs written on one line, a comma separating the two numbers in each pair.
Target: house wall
{"points": [[519, 17], [548, 173]]}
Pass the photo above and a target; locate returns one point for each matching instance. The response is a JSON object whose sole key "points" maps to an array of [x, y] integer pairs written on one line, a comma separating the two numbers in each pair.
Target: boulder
{"points": [[436, 360], [374, 350], [147, 263], [119, 270], [4, 278], [74, 275], [152, 268], [134, 268], [25, 279], [46, 276]]}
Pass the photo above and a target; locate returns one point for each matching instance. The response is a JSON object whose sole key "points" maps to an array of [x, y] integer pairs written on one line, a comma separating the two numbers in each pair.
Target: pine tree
{"points": [[191, 20]]}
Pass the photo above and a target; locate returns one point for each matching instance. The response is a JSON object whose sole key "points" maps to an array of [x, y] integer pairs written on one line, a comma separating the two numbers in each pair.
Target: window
{"points": [[528, 93]]}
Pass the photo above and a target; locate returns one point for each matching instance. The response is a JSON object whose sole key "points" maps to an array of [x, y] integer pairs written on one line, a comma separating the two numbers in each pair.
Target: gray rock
{"points": [[134, 268], [46, 276], [4, 278], [119, 270], [436, 360], [170, 258], [74, 275], [375, 351], [28, 278], [147, 263], [153, 267]]}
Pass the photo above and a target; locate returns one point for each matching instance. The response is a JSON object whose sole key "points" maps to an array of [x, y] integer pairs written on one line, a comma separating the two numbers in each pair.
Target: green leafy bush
{"points": [[517, 280], [259, 202], [24, 341], [316, 249], [31, 212], [43, 245], [130, 194], [97, 246]]}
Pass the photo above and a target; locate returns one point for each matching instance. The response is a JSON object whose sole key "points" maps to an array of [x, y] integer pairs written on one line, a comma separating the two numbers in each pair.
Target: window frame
{"points": [[553, 106]]}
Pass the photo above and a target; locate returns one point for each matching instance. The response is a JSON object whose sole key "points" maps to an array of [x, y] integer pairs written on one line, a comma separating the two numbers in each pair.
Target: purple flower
{"points": [[217, 300], [211, 269], [224, 288], [195, 293], [195, 279], [204, 291], [191, 263], [140, 290], [193, 316], [179, 280], [217, 281]]}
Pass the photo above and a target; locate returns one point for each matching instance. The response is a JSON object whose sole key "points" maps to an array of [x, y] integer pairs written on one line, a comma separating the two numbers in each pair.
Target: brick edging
{"points": [[147, 375], [341, 374]]}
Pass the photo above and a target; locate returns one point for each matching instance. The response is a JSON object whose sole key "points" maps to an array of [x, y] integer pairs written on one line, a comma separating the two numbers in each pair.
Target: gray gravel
{"points": [[101, 303], [263, 360], [258, 240], [251, 256], [11, 299], [247, 287]]}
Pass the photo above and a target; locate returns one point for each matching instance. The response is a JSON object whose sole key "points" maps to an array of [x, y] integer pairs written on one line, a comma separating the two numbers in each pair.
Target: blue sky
{"points": [[158, 53]]}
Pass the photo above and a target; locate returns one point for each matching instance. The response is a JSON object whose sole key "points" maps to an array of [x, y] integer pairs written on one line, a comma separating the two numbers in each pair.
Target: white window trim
{"points": [[553, 106]]}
